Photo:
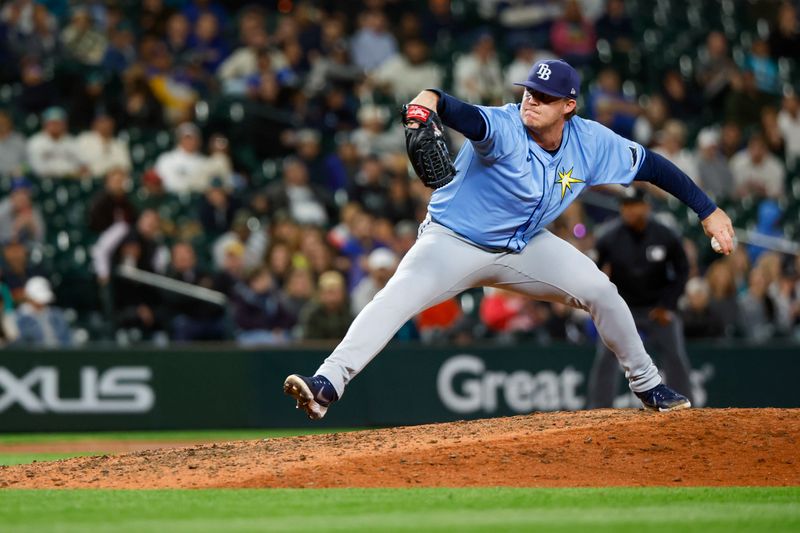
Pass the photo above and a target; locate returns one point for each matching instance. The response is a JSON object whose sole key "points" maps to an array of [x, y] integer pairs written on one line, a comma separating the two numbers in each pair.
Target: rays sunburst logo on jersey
{"points": [[566, 180]]}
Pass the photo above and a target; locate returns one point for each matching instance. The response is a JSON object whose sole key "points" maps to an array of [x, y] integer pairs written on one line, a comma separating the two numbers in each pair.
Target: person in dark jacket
{"points": [[112, 203], [647, 263], [329, 316], [259, 313]]}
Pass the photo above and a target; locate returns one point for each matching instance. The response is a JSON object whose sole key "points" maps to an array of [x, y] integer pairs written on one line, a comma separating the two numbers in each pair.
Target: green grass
{"points": [[163, 436], [491, 509], [24, 458], [15, 458]]}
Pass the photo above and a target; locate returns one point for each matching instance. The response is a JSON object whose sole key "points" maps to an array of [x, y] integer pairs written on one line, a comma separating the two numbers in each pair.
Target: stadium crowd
{"points": [[254, 150]]}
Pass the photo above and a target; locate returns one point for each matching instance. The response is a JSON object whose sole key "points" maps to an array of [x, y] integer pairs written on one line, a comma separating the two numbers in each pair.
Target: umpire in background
{"points": [[647, 263]]}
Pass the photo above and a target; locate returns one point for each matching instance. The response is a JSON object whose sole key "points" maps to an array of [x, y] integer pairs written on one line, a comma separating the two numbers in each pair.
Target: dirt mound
{"points": [[586, 448]]}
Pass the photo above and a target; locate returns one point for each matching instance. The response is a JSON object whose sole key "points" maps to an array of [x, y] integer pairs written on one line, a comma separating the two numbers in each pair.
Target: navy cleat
{"points": [[662, 398], [313, 394]]}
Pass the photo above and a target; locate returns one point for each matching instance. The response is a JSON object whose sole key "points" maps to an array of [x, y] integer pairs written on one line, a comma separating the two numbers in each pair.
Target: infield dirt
{"points": [[708, 447]]}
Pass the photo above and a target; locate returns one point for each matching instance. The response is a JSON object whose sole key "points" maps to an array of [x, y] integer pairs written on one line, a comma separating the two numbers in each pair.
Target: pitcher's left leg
{"points": [[551, 269]]}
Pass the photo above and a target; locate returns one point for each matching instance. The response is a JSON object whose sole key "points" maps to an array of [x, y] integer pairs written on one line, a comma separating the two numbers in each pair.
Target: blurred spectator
{"points": [[722, 294], [764, 67], [745, 101], [372, 44], [699, 319], [100, 151], [177, 35], [731, 140], [137, 306], [573, 36], [308, 147], [171, 85], [332, 70], [381, 265], [112, 204], [33, 32], [192, 319], [773, 136], [246, 231], [682, 102], [303, 201], [328, 316], [20, 220], [16, 269], [219, 161], [372, 136], [762, 315], [244, 61], [525, 55], [88, 99], [195, 9], [38, 90], [259, 313], [12, 147], [9, 332], [789, 124], [671, 142], [615, 26], [279, 261], [477, 76], [153, 17], [39, 322], [713, 171], [401, 206], [653, 118], [359, 244], [139, 107], [369, 187], [784, 35], [298, 291], [121, 50], [52, 152], [609, 92], [82, 42], [757, 172], [184, 169], [232, 270], [217, 209], [402, 75], [507, 312], [769, 223], [207, 46], [268, 120], [715, 69]]}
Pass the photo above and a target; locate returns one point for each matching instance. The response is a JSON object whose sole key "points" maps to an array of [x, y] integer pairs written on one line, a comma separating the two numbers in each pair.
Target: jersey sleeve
{"points": [[617, 160], [499, 135]]}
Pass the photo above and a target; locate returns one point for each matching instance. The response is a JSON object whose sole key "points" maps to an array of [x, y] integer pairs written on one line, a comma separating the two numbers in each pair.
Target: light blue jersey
{"points": [[507, 187]]}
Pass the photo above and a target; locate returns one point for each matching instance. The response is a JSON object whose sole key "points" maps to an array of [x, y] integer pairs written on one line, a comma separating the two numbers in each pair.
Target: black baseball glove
{"points": [[426, 148]]}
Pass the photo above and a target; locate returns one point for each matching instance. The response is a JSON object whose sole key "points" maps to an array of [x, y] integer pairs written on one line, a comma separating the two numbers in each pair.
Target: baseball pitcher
{"points": [[523, 165]]}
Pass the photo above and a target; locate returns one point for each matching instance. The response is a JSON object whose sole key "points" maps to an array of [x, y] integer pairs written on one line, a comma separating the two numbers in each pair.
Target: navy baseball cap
{"points": [[554, 77]]}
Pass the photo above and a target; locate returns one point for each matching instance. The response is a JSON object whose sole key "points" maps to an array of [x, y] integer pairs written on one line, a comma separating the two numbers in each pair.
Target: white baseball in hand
{"points": [[715, 245]]}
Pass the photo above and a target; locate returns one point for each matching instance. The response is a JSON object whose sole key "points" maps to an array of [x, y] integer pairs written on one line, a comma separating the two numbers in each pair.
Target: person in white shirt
{"points": [[789, 125], [758, 172], [403, 74], [381, 264], [100, 151], [52, 152], [478, 78], [671, 142], [184, 169]]}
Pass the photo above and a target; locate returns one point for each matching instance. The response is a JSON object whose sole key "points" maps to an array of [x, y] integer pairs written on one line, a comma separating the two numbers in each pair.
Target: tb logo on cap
{"points": [[544, 72]]}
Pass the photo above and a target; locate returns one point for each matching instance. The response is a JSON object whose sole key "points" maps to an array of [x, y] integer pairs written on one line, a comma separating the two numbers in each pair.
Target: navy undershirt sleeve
{"points": [[662, 173], [461, 116]]}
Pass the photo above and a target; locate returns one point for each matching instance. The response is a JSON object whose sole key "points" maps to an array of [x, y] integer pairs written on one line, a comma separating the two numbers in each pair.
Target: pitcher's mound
{"points": [[585, 448]]}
